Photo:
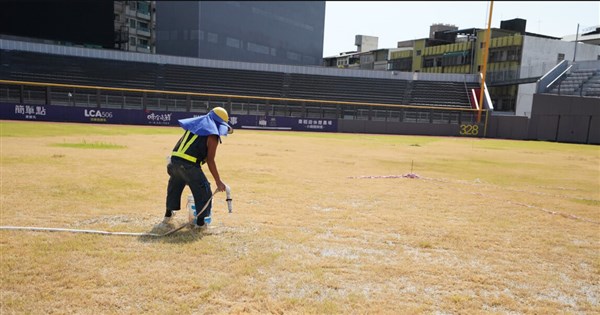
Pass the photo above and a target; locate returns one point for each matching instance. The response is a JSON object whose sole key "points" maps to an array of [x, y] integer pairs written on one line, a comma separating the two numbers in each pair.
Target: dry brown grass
{"points": [[493, 226]]}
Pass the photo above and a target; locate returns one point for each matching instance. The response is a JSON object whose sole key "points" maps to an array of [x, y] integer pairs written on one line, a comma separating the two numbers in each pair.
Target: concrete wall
{"points": [[366, 43], [507, 127], [540, 55], [525, 99], [565, 119], [553, 118], [401, 128]]}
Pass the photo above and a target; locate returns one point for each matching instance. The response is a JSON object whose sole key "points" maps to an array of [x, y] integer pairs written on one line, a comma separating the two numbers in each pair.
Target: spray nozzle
{"points": [[229, 200]]}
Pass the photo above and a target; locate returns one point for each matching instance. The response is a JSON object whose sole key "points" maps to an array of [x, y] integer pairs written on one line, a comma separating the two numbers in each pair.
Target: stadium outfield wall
{"points": [[554, 118], [76, 114]]}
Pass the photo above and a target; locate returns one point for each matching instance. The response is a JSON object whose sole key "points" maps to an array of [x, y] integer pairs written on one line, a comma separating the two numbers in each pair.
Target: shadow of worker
{"points": [[184, 235]]}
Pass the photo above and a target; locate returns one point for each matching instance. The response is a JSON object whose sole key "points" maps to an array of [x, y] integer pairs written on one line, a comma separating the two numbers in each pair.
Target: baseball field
{"points": [[322, 223]]}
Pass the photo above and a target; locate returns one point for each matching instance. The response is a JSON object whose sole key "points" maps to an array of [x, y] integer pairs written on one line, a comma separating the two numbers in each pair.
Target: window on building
{"points": [[560, 57], [132, 5], [514, 54], [261, 49], [143, 7], [500, 56], [504, 54], [404, 64], [293, 56], [454, 58], [418, 52], [132, 23], [232, 42], [143, 43], [428, 62], [143, 26], [367, 58], [212, 38], [132, 40]]}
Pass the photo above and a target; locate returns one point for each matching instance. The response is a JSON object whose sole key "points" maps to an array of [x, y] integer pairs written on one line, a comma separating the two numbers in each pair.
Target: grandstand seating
{"points": [[451, 94], [592, 86], [346, 89], [582, 82], [38, 67], [222, 81], [27, 66]]}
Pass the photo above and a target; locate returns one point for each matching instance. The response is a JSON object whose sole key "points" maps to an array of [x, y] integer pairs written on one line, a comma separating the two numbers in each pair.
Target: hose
{"points": [[47, 229], [29, 228]]}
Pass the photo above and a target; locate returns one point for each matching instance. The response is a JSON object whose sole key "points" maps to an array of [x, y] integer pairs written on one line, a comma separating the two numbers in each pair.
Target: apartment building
{"points": [[134, 26]]}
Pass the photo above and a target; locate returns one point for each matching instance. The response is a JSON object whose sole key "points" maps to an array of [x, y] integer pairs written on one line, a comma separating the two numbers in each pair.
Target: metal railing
{"points": [[107, 97], [545, 83]]}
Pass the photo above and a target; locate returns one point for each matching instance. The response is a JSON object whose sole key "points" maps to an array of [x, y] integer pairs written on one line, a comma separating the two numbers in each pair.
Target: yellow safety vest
{"points": [[184, 146]]}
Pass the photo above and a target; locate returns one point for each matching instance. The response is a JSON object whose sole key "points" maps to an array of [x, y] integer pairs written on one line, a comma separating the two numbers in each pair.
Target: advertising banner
{"points": [[88, 115], [282, 123], [13, 111]]}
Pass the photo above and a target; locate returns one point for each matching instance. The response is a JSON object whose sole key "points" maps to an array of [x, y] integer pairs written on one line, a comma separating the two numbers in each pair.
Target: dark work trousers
{"points": [[182, 174]]}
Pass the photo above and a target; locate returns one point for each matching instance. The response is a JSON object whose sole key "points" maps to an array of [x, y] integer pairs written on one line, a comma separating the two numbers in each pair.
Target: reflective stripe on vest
{"points": [[184, 146]]}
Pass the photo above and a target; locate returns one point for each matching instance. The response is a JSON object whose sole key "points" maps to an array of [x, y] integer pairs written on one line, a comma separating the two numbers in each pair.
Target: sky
{"points": [[394, 21]]}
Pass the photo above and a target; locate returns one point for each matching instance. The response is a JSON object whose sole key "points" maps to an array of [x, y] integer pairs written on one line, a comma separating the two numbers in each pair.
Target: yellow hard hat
{"points": [[222, 113]]}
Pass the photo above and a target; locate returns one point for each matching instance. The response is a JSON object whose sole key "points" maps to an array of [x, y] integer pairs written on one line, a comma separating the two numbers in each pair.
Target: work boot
{"points": [[167, 220], [199, 228], [165, 223], [170, 213]]}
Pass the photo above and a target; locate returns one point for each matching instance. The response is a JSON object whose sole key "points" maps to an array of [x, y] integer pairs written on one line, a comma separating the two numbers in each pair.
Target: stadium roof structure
{"points": [[589, 35], [541, 35]]}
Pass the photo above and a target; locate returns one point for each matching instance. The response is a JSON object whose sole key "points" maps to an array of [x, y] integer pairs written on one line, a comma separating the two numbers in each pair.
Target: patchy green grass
{"points": [[589, 202], [43, 129], [89, 145]]}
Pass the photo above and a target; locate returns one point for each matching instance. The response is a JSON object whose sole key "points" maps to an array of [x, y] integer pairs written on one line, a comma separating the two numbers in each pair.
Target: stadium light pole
{"points": [[488, 36], [576, 40]]}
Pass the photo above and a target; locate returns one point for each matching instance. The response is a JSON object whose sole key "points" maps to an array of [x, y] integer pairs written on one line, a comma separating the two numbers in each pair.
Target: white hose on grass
{"points": [[47, 229]]}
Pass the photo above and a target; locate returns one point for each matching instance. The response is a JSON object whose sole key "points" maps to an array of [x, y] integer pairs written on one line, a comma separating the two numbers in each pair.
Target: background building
{"points": [[282, 32], [516, 59], [589, 35], [289, 32], [72, 23], [134, 25], [123, 25]]}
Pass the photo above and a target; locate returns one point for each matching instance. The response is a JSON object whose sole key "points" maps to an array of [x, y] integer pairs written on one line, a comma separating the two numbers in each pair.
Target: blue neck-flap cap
{"points": [[205, 125]]}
